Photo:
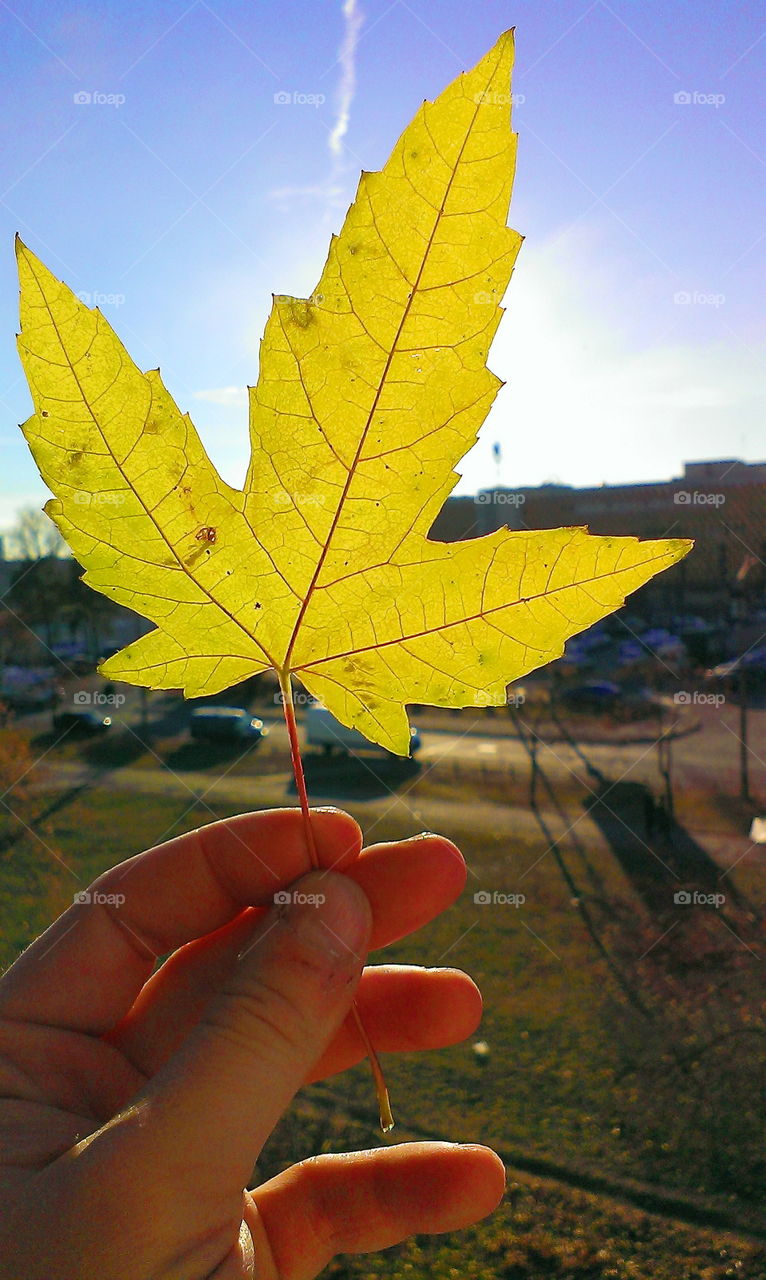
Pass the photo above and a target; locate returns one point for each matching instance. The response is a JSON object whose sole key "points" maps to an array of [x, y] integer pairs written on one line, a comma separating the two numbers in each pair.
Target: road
{"points": [[705, 759]]}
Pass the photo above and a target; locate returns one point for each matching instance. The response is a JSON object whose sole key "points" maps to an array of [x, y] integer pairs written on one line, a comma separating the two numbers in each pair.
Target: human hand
{"points": [[134, 1104]]}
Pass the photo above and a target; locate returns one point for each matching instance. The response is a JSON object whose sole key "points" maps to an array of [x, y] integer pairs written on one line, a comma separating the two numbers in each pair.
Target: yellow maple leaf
{"points": [[369, 394]]}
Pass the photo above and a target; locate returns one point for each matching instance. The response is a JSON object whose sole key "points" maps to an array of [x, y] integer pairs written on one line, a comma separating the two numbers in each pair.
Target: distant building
{"points": [[44, 606], [721, 504]]}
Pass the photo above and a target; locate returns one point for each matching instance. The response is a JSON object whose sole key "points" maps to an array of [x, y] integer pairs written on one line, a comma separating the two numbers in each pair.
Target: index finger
{"points": [[85, 971]]}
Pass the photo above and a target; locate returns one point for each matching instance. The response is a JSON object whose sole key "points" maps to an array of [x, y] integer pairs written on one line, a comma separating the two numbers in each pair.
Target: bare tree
{"points": [[36, 593], [46, 593], [34, 537]]}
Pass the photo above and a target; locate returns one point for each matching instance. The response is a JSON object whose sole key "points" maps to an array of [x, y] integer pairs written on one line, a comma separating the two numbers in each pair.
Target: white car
{"points": [[323, 730]]}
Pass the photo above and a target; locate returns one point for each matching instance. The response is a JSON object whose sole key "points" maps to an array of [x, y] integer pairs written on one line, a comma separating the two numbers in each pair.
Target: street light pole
{"points": [[744, 777]]}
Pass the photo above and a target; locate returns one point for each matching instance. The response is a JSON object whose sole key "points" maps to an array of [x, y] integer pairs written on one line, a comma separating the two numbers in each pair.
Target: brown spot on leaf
{"points": [[301, 312]]}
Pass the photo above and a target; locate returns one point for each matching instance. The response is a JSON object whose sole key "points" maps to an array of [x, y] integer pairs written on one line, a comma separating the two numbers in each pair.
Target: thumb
{"points": [[207, 1113]]}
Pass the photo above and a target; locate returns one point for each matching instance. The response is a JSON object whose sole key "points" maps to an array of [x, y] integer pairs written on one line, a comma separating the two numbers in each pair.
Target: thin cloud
{"points": [[229, 397], [347, 87], [331, 190]]}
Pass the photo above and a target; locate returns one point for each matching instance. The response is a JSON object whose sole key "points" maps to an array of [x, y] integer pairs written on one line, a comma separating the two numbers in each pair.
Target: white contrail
{"points": [[347, 87], [333, 188]]}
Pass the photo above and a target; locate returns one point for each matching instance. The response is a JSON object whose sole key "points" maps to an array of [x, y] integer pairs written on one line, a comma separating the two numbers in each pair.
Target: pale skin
{"points": [[133, 1107]]}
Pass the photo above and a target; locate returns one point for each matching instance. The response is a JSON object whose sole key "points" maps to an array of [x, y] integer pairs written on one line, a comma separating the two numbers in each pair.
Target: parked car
{"points": [[595, 695], [574, 655], [226, 724], [81, 722], [607, 697], [751, 664], [664, 644], [691, 624], [323, 730], [27, 688]]}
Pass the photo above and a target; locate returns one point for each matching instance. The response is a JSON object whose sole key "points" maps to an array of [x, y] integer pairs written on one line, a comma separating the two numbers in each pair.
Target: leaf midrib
{"points": [[475, 617], [381, 384]]}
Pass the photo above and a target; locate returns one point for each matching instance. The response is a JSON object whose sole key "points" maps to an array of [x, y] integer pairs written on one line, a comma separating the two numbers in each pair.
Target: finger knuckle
{"points": [[258, 1012]]}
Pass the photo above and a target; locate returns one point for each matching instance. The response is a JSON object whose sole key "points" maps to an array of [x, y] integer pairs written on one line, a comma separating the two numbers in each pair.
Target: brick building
{"points": [[721, 504]]}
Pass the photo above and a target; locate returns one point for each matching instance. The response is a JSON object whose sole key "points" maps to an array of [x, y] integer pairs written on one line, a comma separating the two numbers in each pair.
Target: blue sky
{"points": [[183, 194]]}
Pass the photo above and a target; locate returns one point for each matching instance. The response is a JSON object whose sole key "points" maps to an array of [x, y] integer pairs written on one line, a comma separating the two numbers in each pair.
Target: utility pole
{"points": [[744, 775], [144, 694], [665, 765], [666, 769]]}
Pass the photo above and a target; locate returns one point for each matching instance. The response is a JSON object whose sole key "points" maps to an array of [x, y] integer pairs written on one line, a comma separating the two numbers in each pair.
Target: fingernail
{"points": [[331, 914]]}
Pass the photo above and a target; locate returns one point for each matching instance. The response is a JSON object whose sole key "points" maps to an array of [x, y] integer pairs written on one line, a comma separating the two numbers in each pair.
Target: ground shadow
{"points": [[9, 839], [356, 776], [197, 757], [660, 857], [113, 749]]}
